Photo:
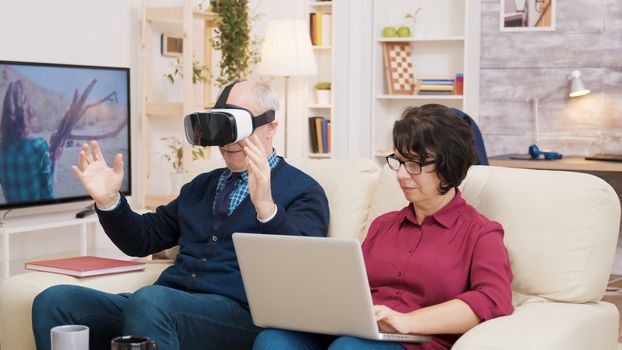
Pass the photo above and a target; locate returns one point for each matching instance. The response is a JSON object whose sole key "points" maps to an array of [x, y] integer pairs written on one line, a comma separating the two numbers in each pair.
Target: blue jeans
{"points": [[276, 339], [174, 319]]}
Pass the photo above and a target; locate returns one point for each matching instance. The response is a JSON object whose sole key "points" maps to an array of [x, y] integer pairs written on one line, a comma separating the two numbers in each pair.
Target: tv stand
{"points": [[18, 225]]}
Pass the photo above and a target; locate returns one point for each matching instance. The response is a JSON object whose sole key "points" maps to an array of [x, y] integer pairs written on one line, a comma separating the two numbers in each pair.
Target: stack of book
{"points": [[320, 29], [320, 134], [85, 266], [436, 86]]}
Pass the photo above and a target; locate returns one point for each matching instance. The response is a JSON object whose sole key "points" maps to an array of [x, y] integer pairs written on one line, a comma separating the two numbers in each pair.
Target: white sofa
{"points": [[561, 233]]}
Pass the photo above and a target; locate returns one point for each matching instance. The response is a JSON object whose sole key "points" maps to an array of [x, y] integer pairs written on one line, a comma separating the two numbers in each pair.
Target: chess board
{"points": [[398, 66]]}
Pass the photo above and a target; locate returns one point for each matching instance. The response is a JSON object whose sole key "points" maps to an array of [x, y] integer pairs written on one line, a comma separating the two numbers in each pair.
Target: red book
{"points": [[85, 266]]}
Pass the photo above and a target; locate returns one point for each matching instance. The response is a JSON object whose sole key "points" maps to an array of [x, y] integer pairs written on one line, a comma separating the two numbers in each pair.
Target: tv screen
{"points": [[47, 112]]}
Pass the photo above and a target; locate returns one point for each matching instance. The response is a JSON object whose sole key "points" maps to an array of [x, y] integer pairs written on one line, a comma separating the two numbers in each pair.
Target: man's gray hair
{"points": [[266, 97]]}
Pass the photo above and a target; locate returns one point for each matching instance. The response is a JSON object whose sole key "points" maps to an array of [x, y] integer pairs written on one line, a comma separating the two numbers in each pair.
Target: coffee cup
{"points": [[70, 337], [133, 342]]}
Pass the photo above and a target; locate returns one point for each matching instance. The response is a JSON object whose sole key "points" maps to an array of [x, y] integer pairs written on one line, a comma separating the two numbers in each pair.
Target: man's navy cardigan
{"points": [[206, 262]]}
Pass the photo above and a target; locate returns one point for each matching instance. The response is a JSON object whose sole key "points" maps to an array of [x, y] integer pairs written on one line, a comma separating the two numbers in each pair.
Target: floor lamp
{"points": [[286, 53]]}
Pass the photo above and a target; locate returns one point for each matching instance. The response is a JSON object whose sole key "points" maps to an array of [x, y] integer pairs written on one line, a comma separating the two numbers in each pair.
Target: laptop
{"points": [[309, 284]]}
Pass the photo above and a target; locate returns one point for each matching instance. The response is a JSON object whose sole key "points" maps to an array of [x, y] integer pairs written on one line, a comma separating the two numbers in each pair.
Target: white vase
{"points": [[177, 179], [419, 29], [323, 97]]}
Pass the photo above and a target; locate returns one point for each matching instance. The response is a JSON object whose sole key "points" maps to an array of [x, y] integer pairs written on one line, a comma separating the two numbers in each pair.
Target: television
{"points": [[47, 111]]}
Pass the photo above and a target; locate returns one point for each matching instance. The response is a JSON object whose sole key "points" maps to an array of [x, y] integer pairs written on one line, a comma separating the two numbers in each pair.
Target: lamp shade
{"points": [[576, 85], [287, 50]]}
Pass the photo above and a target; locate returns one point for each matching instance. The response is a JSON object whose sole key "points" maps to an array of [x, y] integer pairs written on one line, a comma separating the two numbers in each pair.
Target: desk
{"points": [[43, 222], [566, 163], [608, 171]]}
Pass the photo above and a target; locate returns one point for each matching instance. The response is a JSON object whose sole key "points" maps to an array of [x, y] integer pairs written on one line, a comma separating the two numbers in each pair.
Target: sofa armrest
{"points": [[547, 325], [18, 292]]}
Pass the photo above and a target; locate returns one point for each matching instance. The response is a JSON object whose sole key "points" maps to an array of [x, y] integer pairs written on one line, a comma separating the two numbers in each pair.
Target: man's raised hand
{"points": [[100, 181]]}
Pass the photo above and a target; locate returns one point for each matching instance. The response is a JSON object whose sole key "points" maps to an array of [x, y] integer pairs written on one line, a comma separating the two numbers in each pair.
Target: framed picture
{"points": [[527, 15], [172, 45], [398, 67]]}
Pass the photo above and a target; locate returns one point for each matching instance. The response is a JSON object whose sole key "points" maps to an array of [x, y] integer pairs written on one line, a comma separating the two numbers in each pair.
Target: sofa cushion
{"points": [[349, 185], [561, 228]]}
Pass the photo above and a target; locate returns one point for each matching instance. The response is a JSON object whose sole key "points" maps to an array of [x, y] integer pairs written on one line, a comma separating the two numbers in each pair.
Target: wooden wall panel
{"points": [[518, 65]]}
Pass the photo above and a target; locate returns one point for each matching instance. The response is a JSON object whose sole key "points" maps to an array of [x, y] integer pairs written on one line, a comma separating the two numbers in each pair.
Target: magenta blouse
{"points": [[455, 253]]}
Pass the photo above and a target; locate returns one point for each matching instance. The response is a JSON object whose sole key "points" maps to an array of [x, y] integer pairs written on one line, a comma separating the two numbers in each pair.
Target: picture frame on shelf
{"points": [[171, 45], [398, 66], [527, 15]]}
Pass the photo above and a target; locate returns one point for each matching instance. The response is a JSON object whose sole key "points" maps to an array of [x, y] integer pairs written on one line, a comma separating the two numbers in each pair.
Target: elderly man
{"points": [[199, 302]]}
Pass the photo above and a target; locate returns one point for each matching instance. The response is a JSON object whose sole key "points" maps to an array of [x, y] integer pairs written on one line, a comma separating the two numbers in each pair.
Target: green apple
{"points": [[403, 32], [389, 32]]}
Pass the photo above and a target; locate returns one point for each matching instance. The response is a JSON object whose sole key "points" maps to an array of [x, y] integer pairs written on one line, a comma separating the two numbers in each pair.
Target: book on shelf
{"points": [[320, 134], [328, 136], [436, 87], [320, 28], [313, 134], [324, 136], [427, 92], [85, 266], [437, 81], [326, 29]]}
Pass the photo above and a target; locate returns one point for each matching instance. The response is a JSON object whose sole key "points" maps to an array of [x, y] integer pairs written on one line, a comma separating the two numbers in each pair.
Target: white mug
{"points": [[70, 337]]}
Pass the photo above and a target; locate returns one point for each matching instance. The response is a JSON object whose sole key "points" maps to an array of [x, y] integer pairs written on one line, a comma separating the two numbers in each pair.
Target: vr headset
{"points": [[223, 124]]}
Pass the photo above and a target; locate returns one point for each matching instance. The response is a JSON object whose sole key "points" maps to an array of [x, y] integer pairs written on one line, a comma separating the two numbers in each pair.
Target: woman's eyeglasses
{"points": [[413, 168]]}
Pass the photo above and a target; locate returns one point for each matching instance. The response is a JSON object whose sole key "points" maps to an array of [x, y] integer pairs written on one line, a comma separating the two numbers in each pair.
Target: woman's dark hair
{"points": [[16, 114], [435, 131]]}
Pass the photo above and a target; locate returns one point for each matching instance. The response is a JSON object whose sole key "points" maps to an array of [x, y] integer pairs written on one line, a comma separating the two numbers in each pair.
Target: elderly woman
{"points": [[26, 172], [436, 267]]}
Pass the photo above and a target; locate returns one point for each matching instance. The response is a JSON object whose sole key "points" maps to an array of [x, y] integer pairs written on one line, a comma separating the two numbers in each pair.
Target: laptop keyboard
{"points": [[609, 157]]}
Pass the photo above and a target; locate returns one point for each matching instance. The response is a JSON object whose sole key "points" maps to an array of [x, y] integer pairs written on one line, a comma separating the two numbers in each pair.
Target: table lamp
{"points": [[287, 52], [576, 89]]}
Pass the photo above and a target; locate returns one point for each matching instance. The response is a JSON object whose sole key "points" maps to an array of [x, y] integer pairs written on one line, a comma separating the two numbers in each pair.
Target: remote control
{"points": [[84, 213]]}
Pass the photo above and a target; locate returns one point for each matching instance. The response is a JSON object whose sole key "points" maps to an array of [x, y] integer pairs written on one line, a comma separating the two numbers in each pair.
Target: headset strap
{"points": [[262, 119], [258, 121], [224, 95]]}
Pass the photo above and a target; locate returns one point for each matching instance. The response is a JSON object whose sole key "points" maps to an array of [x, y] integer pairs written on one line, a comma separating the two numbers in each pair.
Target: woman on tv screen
{"points": [[26, 172]]}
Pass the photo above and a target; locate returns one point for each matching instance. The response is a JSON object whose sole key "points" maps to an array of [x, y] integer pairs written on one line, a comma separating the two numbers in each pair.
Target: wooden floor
{"points": [[614, 295]]}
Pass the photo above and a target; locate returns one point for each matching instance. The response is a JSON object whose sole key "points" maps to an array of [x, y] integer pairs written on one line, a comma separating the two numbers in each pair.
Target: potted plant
{"points": [[416, 27], [178, 71], [232, 37], [322, 92], [175, 155]]}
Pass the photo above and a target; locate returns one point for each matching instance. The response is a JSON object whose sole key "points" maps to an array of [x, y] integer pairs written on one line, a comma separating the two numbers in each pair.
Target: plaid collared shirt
{"points": [[26, 171], [240, 189]]}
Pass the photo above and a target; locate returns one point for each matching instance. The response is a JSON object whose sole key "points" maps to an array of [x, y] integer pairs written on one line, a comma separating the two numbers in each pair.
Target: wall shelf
{"points": [[419, 97], [319, 106], [319, 155], [320, 4], [444, 48], [187, 18], [325, 60], [422, 39]]}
